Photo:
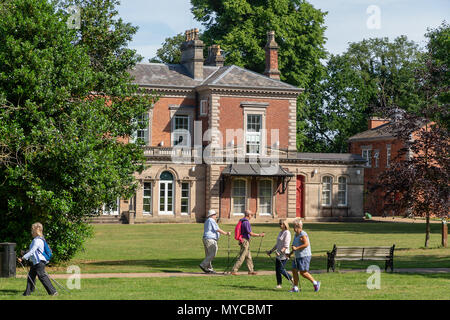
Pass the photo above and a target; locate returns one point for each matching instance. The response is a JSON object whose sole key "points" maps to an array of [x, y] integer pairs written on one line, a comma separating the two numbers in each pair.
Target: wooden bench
{"points": [[361, 254]]}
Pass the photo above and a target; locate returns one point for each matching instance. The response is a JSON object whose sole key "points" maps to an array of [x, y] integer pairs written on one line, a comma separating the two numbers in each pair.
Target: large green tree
{"points": [[66, 107], [372, 75]]}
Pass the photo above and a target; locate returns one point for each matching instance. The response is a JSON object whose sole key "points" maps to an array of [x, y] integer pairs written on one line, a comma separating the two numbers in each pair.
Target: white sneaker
{"points": [[278, 287], [294, 289]]}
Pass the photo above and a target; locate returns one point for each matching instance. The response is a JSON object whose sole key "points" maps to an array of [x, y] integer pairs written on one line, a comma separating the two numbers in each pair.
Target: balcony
{"points": [[178, 154]]}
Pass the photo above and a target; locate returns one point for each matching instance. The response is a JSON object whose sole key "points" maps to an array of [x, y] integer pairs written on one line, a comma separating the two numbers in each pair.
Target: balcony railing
{"points": [[192, 153]]}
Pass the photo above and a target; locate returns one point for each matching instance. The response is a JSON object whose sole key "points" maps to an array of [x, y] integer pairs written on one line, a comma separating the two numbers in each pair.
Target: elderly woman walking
{"points": [[35, 254], [281, 250], [301, 246]]}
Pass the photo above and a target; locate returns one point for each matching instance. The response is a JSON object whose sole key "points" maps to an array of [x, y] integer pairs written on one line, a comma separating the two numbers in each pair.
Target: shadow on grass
{"points": [[265, 264], [370, 227], [8, 292]]}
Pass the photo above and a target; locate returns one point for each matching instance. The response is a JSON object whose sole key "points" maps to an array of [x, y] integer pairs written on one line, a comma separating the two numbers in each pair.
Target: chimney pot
{"points": [[271, 48], [192, 54], [215, 57]]}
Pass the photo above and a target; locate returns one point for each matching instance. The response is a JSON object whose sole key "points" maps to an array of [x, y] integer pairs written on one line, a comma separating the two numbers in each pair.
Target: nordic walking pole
{"points": [[259, 249], [57, 283], [28, 275]]}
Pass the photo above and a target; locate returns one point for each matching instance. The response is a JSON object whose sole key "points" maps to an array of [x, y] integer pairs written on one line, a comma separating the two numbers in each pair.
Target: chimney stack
{"points": [[271, 48], [215, 57], [375, 122], [192, 54]]}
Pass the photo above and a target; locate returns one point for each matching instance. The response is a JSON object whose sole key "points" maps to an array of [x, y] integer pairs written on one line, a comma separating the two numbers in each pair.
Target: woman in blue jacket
{"points": [[38, 262]]}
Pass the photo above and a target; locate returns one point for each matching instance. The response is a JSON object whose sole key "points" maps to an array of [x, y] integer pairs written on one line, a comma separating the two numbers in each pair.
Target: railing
{"points": [[235, 152]]}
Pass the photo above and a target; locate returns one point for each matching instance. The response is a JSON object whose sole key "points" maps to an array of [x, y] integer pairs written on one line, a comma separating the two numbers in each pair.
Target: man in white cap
{"points": [[210, 236]]}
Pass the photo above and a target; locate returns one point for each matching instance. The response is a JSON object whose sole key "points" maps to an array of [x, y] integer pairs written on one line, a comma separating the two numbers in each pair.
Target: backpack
{"points": [[238, 232], [47, 251]]}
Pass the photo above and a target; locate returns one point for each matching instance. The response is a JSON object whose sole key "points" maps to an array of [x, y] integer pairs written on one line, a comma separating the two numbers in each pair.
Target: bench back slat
{"points": [[362, 253]]}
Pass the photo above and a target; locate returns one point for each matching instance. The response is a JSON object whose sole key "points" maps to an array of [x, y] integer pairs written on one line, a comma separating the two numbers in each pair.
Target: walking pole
{"points": [[57, 283], [291, 279], [259, 249], [28, 275]]}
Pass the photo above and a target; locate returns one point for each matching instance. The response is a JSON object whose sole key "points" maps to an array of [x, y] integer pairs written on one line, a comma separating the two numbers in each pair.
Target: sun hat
{"points": [[211, 213]]}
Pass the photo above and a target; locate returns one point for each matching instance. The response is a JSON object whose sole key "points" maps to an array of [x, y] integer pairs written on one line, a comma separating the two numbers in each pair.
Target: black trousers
{"points": [[39, 270], [280, 270]]}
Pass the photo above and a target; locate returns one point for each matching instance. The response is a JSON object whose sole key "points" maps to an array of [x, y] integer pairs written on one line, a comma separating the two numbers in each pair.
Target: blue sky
{"points": [[347, 20]]}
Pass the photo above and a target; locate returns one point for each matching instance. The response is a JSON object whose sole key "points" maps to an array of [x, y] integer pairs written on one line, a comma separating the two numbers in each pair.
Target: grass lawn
{"points": [[178, 248], [348, 286]]}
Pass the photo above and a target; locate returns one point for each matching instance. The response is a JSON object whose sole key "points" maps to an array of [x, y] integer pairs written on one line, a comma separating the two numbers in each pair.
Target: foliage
{"points": [[65, 114], [170, 52], [418, 181], [371, 75]]}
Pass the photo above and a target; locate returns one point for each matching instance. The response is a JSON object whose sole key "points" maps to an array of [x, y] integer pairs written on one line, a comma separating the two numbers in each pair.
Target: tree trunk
{"points": [[427, 232]]}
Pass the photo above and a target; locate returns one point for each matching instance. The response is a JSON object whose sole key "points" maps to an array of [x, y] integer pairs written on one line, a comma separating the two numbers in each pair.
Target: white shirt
{"points": [[35, 252], [283, 241]]}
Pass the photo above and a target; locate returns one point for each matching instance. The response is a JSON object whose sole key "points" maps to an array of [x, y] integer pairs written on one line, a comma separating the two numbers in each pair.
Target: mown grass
{"points": [[179, 248], [335, 286]]}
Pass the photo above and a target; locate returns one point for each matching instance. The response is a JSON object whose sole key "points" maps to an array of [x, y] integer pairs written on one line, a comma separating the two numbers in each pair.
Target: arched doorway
{"points": [[166, 193]]}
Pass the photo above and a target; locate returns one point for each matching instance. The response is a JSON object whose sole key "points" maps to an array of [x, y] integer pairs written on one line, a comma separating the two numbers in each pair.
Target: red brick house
{"points": [[379, 147], [224, 138]]}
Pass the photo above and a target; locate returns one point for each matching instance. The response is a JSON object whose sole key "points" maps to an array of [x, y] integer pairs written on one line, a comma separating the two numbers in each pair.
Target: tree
{"points": [[67, 107], [418, 180], [170, 52], [371, 75]]}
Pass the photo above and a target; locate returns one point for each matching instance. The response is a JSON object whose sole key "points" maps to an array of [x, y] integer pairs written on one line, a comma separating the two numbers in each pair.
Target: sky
{"points": [[346, 21]]}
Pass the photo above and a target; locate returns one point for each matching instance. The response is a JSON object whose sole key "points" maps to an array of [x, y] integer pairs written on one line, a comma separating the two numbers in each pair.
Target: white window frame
{"points": [[271, 197], [233, 196], [329, 191], [147, 197], [181, 132], [254, 135], [188, 197], [113, 212], [340, 191], [166, 196], [366, 153], [145, 117], [388, 156], [204, 107]]}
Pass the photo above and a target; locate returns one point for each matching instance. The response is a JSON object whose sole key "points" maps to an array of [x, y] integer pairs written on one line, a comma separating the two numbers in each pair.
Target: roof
{"points": [[255, 169], [176, 75], [330, 157], [385, 131]]}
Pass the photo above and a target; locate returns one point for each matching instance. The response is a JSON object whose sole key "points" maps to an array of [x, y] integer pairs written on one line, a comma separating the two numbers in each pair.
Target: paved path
{"points": [[200, 274]]}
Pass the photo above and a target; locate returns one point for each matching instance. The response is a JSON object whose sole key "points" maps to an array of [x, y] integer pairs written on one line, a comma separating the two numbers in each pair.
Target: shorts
{"points": [[302, 263]]}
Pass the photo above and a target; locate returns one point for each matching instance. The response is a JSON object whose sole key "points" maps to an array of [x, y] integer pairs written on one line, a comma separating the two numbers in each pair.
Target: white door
{"points": [[166, 196]]}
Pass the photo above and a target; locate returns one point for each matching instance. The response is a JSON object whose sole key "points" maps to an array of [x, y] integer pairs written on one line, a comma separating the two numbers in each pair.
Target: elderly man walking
{"points": [[211, 234], [246, 231]]}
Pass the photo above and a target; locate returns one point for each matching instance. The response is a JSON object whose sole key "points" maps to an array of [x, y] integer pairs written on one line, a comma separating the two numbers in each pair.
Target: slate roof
{"points": [[177, 76], [330, 157], [247, 169], [385, 131]]}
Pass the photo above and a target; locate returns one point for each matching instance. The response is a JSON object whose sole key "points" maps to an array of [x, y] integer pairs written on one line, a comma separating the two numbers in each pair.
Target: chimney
{"points": [[272, 57], [192, 54], [375, 122], [215, 57]]}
